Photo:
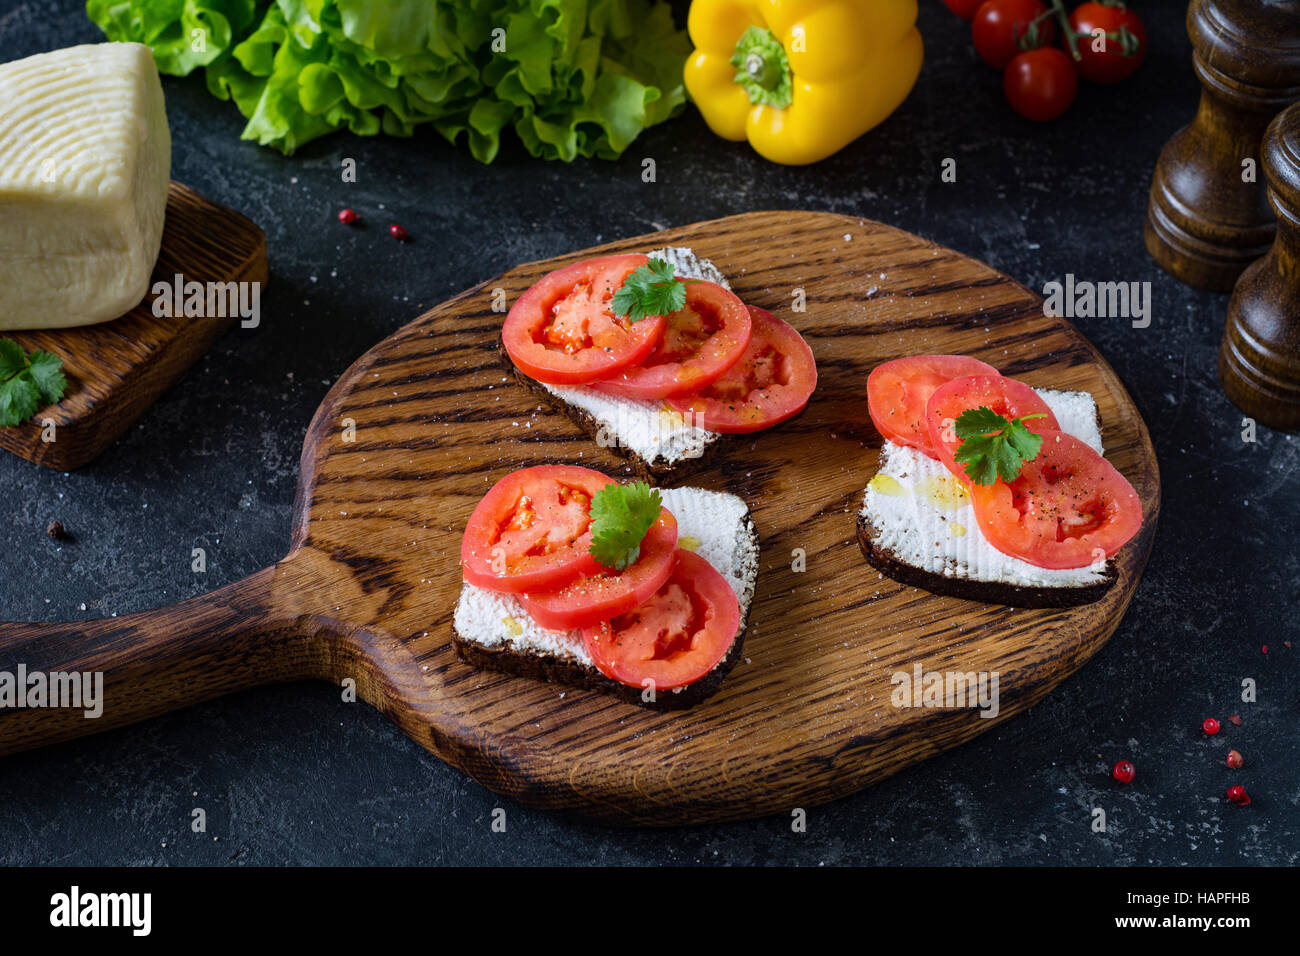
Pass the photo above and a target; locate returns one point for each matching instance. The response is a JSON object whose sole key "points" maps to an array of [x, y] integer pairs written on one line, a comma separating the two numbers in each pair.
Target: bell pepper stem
{"points": [[763, 69]]}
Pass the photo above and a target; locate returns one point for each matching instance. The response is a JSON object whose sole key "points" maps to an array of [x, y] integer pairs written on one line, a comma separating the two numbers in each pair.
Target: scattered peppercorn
{"points": [[1210, 726], [347, 216], [1235, 720], [397, 232], [56, 531], [1238, 795], [1234, 759], [1124, 772]]}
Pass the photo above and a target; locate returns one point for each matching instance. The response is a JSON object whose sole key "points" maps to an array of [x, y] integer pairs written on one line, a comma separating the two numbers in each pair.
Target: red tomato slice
{"points": [[1006, 396], [702, 340], [562, 331], [773, 380], [1068, 507], [675, 637], [532, 530], [593, 598], [897, 393]]}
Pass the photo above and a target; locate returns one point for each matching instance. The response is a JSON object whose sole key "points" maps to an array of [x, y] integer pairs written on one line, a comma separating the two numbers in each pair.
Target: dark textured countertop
{"points": [[292, 775]]}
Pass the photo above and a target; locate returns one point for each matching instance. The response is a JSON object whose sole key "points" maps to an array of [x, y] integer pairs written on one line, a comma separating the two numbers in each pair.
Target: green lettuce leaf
{"points": [[571, 78]]}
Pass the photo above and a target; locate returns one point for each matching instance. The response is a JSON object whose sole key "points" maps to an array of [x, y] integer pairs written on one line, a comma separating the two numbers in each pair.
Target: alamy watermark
{"points": [[665, 431], [1081, 299], [200, 300], [946, 690], [56, 689]]}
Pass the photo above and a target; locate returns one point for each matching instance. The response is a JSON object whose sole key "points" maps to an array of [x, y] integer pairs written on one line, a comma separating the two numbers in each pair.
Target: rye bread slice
{"points": [[557, 670], [986, 592], [655, 473]]}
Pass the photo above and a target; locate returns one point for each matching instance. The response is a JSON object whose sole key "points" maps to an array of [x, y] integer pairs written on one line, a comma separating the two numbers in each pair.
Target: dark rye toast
{"points": [[741, 570], [924, 533], [653, 472], [554, 670], [888, 563]]}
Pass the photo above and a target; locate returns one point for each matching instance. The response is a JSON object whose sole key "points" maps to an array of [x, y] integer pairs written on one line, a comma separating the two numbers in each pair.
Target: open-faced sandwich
{"points": [[570, 576], [655, 357], [989, 489]]}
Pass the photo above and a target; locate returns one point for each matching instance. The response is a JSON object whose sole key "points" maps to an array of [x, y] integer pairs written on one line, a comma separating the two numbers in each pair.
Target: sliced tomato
{"points": [[532, 530], [897, 393], [701, 341], [1068, 508], [1006, 396], [773, 380], [593, 598], [676, 637], [562, 331]]}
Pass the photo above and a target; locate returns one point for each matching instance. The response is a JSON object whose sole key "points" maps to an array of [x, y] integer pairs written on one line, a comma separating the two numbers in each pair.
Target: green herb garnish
{"points": [[27, 384], [993, 447], [620, 517], [650, 290]]}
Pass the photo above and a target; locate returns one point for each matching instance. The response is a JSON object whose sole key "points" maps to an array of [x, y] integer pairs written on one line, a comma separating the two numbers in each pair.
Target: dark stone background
{"points": [[291, 775]]}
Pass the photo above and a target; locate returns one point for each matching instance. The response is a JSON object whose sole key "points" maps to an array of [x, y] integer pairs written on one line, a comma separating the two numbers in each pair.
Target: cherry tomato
{"points": [[999, 25], [1040, 84], [700, 342], [532, 530], [1005, 396], [773, 381], [1108, 64], [963, 8], [562, 331], [593, 598], [897, 393], [676, 637], [1068, 508]]}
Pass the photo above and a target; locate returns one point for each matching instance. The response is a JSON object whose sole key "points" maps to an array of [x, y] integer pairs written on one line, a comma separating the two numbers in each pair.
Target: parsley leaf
{"points": [[12, 360], [46, 370], [620, 517], [993, 447], [27, 384], [649, 290]]}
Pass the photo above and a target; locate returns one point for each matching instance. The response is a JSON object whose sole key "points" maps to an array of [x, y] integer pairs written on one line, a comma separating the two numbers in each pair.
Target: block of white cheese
{"points": [[653, 430], [924, 518], [85, 160], [713, 524]]}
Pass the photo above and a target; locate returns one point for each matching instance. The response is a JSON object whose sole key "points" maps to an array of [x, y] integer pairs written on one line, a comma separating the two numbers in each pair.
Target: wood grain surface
{"points": [[371, 580], [117, 369]]}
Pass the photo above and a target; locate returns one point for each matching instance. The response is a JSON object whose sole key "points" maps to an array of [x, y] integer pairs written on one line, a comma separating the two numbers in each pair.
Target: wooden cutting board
{"points": [[369, 585], [117, 369]]}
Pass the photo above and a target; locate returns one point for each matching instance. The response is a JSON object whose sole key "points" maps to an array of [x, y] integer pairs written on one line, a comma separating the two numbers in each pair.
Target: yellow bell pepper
{"points": [[800, 79]]}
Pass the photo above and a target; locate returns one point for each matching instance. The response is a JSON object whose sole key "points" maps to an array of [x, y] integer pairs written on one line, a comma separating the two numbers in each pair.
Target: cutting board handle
{"points": [[147, 663]]}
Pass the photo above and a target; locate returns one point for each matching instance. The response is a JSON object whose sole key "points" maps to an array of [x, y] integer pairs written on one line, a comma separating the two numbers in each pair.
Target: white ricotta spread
{"points": [[652, 430], [924, 517], [85, 160], [710, 523]]}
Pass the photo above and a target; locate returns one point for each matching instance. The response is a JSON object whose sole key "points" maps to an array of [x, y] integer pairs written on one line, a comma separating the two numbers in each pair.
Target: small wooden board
{"points": [[117, 369], [371, 580]]}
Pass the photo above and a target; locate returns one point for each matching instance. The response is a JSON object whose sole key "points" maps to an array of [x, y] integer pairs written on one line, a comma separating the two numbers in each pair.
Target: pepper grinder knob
{"points": [[1259, 358], [1208, 216]]}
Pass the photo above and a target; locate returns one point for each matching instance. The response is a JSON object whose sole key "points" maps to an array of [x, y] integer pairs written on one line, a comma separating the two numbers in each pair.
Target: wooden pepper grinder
{"points": [[1259, 359], [1208, 216]]}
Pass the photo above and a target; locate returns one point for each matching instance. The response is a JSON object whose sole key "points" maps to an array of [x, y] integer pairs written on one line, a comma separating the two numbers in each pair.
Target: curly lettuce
{"points": [[571, 78]]}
